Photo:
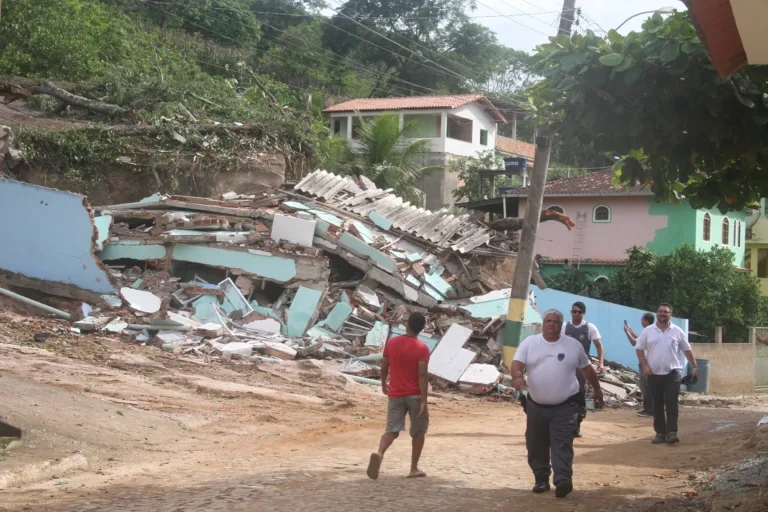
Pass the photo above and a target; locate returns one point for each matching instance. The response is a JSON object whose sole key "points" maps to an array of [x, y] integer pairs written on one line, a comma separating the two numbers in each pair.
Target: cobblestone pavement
{"points": [[475, 461]]}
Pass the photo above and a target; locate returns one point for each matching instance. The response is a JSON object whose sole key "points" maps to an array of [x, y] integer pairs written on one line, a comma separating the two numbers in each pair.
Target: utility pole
{"points": [[518, 299], [567, 17]]}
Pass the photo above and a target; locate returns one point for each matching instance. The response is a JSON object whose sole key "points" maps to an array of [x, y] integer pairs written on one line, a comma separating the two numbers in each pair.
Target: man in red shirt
{"points": [[407, 357]]}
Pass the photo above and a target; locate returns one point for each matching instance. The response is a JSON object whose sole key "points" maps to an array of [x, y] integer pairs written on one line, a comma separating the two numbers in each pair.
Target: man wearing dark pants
{"points": [[658, 349], [551, 360], [407, 358], [586, 334], [647, 410]]}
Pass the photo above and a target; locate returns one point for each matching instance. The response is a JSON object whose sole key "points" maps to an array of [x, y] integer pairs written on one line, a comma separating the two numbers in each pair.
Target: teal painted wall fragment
{"points": [[338, 316], [204, 311], [414, 257], [320, 330], [398, 255], [295, 205], [377, 336], [103, 223], [381, 221], [434, 293], [415, 282], [365, 233], [438, 283], [327, 217], [132, 250], [302, 310], [499, 307], [262, 265], [321, 227], [360, 248]]}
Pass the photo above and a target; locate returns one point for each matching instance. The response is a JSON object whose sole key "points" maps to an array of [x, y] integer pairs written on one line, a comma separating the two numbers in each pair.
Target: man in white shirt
{"points": [[658, 349], [551, 361], [586, 334]]}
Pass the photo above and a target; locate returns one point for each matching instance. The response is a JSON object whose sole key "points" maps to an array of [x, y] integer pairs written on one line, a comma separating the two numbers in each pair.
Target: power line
{"points": [[422, 46], [511, 19], [520, 10]]}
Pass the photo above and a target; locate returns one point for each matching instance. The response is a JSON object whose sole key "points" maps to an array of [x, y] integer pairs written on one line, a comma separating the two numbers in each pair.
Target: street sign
{"points": [[515, 162]]}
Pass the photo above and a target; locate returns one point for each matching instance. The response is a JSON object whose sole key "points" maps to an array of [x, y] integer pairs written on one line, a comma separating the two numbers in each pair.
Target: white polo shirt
{"points": [[551, 367], [663, 348]]}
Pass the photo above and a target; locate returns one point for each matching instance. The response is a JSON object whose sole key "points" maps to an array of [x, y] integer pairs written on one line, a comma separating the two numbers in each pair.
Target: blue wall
{"points": [[608, 317]]}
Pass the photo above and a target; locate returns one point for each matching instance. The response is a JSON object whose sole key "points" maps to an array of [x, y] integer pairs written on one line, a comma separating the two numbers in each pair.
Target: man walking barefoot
{"points": [[647, 410], [658, 349], [554, 400], [407, 358]]}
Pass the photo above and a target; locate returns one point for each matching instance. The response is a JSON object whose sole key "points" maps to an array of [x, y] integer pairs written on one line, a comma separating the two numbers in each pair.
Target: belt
{"points": [[577, 399]]}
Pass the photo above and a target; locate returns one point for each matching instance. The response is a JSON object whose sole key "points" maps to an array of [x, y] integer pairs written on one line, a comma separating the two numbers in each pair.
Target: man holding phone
{"points": [[647, 410]]}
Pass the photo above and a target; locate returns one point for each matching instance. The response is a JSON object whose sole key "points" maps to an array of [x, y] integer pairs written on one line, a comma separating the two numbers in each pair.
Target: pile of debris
{"points": [[620, 385], [330, 270]]}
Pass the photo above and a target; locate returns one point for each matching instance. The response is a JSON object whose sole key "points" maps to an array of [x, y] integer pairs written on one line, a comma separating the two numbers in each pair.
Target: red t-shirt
{"points": [[404, 353]]}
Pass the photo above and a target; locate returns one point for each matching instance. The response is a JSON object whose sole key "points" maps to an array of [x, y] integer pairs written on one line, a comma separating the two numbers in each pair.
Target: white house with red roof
{"points": [[457, 126]]}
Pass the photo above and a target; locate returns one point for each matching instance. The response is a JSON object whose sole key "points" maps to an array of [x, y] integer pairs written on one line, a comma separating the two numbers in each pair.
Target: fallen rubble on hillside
{"points": [[330, 269]]}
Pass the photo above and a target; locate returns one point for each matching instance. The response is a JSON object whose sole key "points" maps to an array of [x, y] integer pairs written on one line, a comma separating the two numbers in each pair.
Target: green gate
{"points": [[761, 364]]}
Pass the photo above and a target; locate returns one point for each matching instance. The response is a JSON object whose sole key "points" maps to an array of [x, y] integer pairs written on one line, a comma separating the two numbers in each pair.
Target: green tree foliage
{"points": [[654, 98], [383, 155], [702, 286], [228, 22], [575, 280], [468, 168], [418, 31]]}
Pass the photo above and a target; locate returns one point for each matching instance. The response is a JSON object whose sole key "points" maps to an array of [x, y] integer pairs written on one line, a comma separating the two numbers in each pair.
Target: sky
{"points": [[531, 22]]}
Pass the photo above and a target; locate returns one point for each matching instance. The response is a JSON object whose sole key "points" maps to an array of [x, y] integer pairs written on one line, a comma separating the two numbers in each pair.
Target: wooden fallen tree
{"points": [[12, 91], [516, 223]]}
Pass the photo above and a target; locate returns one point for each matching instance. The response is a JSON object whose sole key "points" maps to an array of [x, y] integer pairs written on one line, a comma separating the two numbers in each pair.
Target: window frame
{"points": [[483, 131], [560, 210], [726, 231], [594, 214], [706, 234]]}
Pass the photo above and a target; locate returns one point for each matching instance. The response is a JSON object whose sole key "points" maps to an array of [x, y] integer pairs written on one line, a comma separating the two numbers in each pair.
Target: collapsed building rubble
{"points": [[330, 269]]}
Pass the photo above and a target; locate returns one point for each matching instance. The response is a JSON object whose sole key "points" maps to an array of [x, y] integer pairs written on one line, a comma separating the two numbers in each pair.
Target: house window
{"points": [[601, 213], [707, 228], [459, 128], [340, 127], [556, 208], [422, 126], [357, 125], [726, 230], [484, 137], [737, 234]]}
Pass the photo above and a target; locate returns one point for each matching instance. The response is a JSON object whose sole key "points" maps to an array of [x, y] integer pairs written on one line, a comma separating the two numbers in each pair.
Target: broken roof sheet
{"points": [[441, 228]]}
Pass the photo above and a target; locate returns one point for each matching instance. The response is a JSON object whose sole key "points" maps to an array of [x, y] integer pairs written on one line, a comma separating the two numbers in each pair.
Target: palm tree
{"points": [[383, 155]]}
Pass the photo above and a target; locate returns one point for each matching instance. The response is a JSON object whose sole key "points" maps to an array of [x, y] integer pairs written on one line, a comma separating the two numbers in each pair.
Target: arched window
{"points": [[707, 228], [602, 279], [555, 208], [726, 230], [601, 213]]}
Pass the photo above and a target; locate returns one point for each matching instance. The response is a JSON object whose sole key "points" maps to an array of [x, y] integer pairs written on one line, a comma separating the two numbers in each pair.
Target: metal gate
{"points": [[761, 366]]}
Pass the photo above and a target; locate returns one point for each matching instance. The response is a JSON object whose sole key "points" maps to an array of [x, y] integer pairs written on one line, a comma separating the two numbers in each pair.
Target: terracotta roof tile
{"points": [[597, 183], [516, 147], [414, 103], [584, 261]]}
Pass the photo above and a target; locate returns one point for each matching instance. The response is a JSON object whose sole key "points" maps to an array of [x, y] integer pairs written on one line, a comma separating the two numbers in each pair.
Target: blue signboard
{"points": [[515, 162]]}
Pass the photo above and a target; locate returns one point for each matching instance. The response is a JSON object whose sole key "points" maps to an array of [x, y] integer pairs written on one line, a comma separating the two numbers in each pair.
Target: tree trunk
{"points": [[79, 101]]}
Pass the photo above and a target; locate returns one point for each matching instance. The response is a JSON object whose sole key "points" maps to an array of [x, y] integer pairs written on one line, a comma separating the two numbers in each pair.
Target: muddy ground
{"points": [[112, 426]]}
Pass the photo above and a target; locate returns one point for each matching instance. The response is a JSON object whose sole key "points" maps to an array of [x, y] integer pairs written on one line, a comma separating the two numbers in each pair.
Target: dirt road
{"points": [[117, 428]]}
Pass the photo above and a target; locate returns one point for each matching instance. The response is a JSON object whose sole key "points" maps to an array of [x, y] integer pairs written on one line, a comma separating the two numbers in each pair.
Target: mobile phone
{"points": [[625, 323]]}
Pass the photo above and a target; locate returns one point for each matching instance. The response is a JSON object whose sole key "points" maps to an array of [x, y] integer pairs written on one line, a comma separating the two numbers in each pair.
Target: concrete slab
{"points": [[52, 235], [303, 310], [132, 250], [293, 229], [450, 359], [377, 336]]}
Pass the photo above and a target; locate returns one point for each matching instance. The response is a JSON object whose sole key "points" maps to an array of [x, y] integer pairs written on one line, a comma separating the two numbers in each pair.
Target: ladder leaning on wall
{"points": [[578, 239]]}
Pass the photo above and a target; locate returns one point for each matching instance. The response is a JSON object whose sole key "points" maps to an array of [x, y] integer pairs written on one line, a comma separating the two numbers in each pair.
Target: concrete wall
{"points": [[608, 317], [731, 366], [660, 227], [602, 240], [50, 235]]}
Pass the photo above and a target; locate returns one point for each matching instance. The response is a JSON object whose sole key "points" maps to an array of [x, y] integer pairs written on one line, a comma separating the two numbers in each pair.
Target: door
{"points": [[761, 366]]}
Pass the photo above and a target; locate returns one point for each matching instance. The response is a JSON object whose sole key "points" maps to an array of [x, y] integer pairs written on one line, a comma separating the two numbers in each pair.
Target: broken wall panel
{"points": [[132, 250], [52, 235], [303, 310], [254, 262], [450, 359]]}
